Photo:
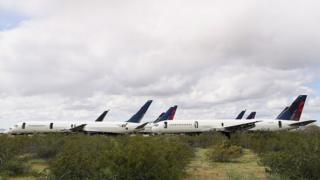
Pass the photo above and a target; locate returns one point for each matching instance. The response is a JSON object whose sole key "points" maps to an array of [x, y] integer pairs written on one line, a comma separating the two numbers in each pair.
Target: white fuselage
{"points": [[274, 125], [195, 126], [30, 127], [111, 127]]}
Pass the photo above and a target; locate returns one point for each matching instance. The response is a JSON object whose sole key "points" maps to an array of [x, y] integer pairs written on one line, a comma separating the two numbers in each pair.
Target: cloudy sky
{"points": [[70, 60]]}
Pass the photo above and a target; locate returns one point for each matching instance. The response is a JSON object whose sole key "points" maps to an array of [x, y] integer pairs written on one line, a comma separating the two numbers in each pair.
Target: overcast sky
{"points": [[70, 60]]}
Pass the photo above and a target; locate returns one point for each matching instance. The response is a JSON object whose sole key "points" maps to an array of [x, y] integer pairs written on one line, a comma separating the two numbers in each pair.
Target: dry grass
{"points": [[245, 167]]}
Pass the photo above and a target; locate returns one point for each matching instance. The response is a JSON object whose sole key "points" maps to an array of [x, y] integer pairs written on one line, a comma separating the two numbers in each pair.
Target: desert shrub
{"points": [[11, 160], [152, 158], [16, 167], [297, 160], [224, 152], [80, 158], [47, 147], [290, 155], [121, 158]]}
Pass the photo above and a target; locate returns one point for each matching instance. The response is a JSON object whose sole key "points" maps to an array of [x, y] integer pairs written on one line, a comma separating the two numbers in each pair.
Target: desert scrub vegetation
{"points": [[78, 156], [224, 152], [121, 158], [290, 155]]}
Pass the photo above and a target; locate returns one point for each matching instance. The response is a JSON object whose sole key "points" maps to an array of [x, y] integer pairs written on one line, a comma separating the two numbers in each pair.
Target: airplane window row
{"points": [[181, 124]]}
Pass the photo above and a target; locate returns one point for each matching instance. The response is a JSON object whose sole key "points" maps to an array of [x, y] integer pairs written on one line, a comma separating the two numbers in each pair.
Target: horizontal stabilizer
{"points": [[78, 128], [303, 123], [241, 127]]}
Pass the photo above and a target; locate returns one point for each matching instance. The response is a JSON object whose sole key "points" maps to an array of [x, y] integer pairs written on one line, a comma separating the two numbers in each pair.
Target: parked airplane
{"points": [[229, 126], [292, 112], [288, 119], [30, 127], [114, 127]]}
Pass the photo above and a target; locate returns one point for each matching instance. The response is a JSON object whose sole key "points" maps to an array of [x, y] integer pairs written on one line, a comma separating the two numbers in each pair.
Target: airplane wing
{"points": [[302, 123], [78, 128], [240, 127]]}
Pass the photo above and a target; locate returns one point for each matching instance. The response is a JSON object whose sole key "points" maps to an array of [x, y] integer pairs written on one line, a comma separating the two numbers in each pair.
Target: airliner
{"points": [[30, 127], [229, 126], [114, 127], [288, 119]]}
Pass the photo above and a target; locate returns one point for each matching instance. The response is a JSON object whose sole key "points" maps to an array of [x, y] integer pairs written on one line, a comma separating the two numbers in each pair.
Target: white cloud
{"points": [[213, 58]]}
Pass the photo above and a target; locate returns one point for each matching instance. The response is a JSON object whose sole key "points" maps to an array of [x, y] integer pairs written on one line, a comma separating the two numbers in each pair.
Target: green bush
{"points": [[121, 158], [224, 152], [47, 147], [11, 160], [290, 155], [16, 167]]}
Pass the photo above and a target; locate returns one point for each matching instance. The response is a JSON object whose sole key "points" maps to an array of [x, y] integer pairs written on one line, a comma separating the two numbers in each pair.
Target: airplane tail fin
{"points": [[101, 117], [294, 111], [168, 115], [282, 114], [240, 115], [136, 118], [252, 115], [161, 116], [172, 113], [298, 107]]}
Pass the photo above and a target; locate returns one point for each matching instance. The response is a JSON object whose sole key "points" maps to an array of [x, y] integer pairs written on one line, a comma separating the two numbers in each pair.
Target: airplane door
{"points": [[280, 124], [23, 125], [165, 125], [51, 125], [196, 124]]}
